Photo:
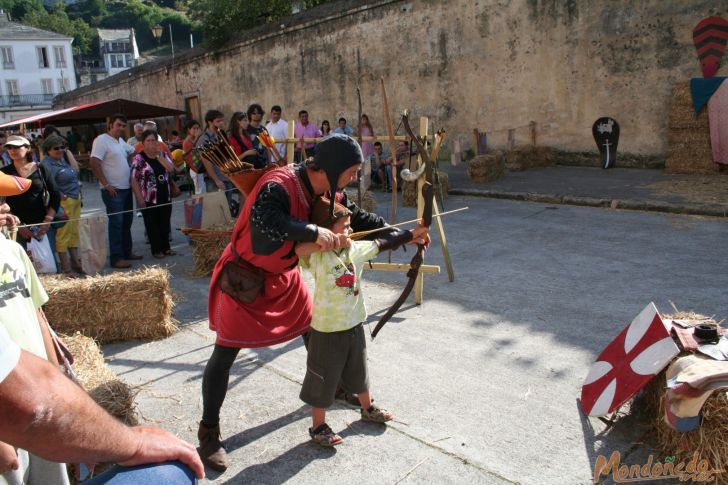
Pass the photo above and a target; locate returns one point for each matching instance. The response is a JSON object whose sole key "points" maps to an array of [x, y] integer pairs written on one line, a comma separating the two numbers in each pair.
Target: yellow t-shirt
{"points": [[337, 301], [21, 294]]}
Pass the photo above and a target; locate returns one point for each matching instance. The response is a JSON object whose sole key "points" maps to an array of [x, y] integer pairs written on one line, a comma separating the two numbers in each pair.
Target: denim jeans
{"points": [[170, 473], [120, 224]]}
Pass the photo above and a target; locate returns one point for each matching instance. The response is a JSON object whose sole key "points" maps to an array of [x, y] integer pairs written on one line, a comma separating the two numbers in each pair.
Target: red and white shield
{"points": [[638, 353]]}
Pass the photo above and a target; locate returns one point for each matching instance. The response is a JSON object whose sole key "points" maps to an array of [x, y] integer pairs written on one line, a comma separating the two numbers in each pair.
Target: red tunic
{"points": [[283, 311]]}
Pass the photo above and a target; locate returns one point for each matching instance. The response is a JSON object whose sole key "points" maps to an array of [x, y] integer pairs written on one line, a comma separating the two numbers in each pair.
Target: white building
{"points": [[118, 50], [35, 65]]}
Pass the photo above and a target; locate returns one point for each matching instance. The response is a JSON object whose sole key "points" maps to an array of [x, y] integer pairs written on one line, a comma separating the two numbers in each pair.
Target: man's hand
{"points": [[8, 458], [6, 218], [329, 240], [110, 190], [220, 184], [157, 445], [421, 235]]}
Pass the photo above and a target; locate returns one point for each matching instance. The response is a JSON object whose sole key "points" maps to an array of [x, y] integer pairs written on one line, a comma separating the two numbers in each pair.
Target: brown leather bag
{"points": [[241, 280]]}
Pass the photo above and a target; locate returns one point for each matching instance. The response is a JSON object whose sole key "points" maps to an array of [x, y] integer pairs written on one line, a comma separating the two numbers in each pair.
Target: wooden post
{"points": [[511, 139], [420, 281], [532, 125], [290, 145]]}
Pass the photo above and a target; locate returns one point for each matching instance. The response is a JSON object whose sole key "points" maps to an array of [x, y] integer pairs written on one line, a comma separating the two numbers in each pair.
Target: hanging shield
{"points": [[627, 364], [709, 37], [606, 134]]}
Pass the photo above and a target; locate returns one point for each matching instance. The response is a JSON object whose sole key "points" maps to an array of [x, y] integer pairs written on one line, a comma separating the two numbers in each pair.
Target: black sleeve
{"points": [[362, 220], [271, 223], [392, 240]]}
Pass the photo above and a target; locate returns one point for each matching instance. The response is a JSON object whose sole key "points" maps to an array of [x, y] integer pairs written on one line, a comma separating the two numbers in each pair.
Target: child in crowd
{"points": [[337, 344]]}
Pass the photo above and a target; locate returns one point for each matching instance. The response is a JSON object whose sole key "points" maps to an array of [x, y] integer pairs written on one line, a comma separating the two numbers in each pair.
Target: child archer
{"points": [[337, 345]]}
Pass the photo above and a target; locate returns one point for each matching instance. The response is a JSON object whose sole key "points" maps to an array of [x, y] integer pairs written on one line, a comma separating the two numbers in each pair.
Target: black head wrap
{"points": [[334, 155]]}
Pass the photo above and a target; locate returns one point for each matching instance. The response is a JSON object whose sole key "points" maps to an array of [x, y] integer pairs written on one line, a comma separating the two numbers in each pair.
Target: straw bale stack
{"points": [[688, 136], [114, 395], [208, 245], [485, 168], [118, 306], [710, 440], [525, 157], [368, 203], [409, 190]]}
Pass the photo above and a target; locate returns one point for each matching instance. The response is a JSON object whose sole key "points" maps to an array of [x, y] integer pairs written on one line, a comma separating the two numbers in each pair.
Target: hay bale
{"points": [[368, 203], [710, 440], [527, 156], [118, 306], [485, 168], [115, 396], [409, 190], [208, 245], [688, 136], [409, 194]]}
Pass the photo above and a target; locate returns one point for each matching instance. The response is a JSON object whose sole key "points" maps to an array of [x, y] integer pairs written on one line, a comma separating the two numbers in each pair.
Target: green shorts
{"points": [[334, 357]]}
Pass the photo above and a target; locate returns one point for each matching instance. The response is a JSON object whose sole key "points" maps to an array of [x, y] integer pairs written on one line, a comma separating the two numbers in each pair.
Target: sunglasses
{"points": [[58, 148]]}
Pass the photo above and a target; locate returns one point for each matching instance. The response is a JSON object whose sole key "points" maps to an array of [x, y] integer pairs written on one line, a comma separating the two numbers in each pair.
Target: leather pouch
{"points": [[241, 280]]}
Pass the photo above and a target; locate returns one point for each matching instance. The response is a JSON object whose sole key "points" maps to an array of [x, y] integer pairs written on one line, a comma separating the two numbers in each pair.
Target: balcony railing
{"points": [[26, 100]]}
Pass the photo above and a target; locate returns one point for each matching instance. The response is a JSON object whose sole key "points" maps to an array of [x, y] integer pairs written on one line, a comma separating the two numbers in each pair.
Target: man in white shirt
{"points": [[278, 128], [110, 157]]}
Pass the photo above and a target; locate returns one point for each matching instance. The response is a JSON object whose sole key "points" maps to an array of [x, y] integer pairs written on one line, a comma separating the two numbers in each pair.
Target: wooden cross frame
{"points": [[424, 268]]}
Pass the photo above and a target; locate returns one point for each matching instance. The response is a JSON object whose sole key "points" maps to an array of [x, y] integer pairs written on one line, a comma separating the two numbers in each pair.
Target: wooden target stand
{"points": [[291, 141], [424, 268]]}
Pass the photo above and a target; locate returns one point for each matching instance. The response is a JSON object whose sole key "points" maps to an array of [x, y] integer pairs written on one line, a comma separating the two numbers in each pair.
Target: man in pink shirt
{"points": [[305, 129]]}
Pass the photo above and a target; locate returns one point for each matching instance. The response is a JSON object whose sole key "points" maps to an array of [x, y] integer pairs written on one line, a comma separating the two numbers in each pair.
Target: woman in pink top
{"points": [[367, 147]]}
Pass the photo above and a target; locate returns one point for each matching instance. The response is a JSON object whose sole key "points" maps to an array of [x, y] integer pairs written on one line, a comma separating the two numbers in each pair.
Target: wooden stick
{"points": [[393, 153], [360, 234]]}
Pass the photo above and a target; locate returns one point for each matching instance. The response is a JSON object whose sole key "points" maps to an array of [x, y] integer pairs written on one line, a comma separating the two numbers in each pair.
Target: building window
{"points": [[59, 52], [63, 85], [117, 60], [7, 53], [46, 86], [11, 86], [43, 57], [128, 60]]}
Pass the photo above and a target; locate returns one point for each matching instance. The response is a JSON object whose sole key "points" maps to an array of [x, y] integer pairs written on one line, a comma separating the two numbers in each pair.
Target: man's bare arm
{"points": [[45, 413]]}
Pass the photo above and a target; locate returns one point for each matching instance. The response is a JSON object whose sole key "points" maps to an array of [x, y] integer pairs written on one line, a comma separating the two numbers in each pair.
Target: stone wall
{"points": [[491, 64]]}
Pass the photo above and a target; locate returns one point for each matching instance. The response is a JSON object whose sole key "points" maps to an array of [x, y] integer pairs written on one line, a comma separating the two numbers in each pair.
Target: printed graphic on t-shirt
{"points": [[12, 284]]}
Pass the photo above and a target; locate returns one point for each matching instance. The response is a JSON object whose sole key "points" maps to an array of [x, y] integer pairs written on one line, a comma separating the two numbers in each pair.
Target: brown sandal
{"points": [[376, 415], [324, 436]]}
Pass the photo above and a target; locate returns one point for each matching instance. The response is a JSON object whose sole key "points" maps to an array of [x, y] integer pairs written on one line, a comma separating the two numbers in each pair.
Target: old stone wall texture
{"points": [[490, 64]]}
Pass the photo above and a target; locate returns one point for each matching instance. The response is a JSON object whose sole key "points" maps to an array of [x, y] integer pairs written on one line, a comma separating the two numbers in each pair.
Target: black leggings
{"points": [[215, 383]]}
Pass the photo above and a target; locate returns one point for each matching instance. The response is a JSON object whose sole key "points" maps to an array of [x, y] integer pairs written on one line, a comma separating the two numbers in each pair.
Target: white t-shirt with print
{"points": [[21, 294], [337, 302], [113, 154], [9, 354]]}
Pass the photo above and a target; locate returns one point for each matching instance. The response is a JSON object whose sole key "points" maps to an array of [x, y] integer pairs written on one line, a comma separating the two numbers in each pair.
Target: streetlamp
{"points": [[157, 32]]}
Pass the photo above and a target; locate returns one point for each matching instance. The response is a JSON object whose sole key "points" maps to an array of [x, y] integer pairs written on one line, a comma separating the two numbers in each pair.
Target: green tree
{"points": [[59, 22], [223, 21], [20, 8]]}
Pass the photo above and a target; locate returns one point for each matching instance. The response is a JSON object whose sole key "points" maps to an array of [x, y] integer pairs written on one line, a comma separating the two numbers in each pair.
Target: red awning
{"points": [[96, 112]]}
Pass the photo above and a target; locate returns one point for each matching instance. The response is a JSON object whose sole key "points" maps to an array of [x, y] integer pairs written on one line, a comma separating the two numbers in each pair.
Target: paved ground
{"points": [[484, 377], [619, 188]]}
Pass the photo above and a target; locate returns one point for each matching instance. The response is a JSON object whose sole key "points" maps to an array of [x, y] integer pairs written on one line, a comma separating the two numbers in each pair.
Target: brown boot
{"points": [[211, 450]]}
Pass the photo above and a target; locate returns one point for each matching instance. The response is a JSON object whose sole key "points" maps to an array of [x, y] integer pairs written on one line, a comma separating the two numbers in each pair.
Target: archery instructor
{"points": [[257, 295]]}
